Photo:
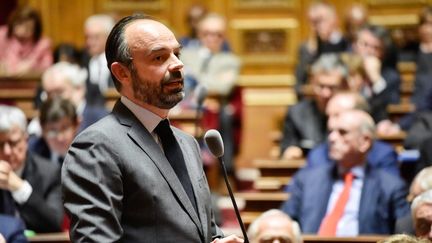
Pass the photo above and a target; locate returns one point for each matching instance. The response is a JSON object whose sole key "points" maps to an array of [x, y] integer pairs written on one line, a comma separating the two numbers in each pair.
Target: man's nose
{"points": [[176, 64]]}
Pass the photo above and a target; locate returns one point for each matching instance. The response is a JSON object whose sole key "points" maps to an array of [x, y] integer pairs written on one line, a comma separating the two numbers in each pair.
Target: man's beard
{"points": [[153, 93]]}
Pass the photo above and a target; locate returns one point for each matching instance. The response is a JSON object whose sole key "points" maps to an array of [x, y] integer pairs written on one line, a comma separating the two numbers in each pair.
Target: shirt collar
{"points": [[149, 119], [358, 171]]}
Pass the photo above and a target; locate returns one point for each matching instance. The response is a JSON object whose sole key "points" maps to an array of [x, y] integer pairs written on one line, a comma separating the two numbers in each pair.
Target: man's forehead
{"points": [[143, 32]]}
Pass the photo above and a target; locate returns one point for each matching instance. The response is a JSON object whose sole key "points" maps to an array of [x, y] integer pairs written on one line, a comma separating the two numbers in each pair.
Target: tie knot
{"points": [[349, 176], [163, 128]]}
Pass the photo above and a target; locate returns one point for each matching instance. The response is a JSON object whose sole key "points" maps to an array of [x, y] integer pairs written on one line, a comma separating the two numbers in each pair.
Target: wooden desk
{"points": [[278, 168], [29, 81], [261, 201], [62, 237], [363, 239]]}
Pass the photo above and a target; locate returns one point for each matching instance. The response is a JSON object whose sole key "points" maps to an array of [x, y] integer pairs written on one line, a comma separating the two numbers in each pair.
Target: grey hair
{"points": [[71, 73], [254, 226], [329, 63], [12, 116], [424, 198], [107, 22], [424, 178]]}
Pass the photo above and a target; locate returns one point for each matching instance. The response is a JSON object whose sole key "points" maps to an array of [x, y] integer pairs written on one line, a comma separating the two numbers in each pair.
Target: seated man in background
{"points": [[11, 230], [60, 124], [305, 122], [209, 65], [29, 184], [381, 154], [96, 30], [325, 38], [347, 197], [422, 182], [68, 81], [274, 226], [421, 210]]}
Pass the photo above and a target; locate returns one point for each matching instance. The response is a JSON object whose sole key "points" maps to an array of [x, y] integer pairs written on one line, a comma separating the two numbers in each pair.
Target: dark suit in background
{"points": [[383, 199], [304, 126], [12, 229], [43, 211], [131, 192]]}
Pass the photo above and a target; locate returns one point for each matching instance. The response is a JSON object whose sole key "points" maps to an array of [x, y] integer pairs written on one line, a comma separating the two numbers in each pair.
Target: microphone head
{"points": [[214, 142], [201, 93]]}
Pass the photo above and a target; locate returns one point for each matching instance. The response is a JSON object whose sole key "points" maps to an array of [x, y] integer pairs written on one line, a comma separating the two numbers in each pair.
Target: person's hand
{"points": [[386, 127], [2, 239], [292, 152], [372, 66], [229, 239], [8, 179]]}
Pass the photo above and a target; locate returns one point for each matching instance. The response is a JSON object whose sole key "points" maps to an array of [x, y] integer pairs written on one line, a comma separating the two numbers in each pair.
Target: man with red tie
{"points": [[347, 197]]}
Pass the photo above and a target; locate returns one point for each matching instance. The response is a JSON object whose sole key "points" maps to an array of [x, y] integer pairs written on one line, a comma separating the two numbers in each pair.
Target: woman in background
{"points": [[23, 50]]}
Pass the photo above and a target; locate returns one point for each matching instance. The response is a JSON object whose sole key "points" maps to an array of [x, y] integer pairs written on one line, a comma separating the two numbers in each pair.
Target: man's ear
{"points": [[121, 72], [366, 143]]}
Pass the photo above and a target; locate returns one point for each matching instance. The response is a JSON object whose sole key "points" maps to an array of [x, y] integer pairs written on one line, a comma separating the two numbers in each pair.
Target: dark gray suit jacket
{"points": [[119, 186]]}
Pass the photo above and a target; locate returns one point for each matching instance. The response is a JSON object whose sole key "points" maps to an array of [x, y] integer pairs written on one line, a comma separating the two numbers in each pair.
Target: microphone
{"points": [[200, 94], [214, 142]]}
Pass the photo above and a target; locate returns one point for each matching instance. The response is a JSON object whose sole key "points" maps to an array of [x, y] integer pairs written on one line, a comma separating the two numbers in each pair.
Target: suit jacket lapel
{"points": [[195, 176], [145, 141], [325, 184], [368, 200]]}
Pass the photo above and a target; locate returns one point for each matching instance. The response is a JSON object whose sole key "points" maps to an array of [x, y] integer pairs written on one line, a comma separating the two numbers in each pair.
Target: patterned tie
{"points": [[329, 223], [174, 155]]}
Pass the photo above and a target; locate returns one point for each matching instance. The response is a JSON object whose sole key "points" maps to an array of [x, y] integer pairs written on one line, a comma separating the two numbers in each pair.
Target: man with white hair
{"points": [[346, 197], [69, 81], [29, 185], [274, 226], [96, 31], [421, 210]]}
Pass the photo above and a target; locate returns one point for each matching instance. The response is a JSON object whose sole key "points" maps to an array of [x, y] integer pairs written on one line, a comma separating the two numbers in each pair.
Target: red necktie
{"points": [[329, 223]]}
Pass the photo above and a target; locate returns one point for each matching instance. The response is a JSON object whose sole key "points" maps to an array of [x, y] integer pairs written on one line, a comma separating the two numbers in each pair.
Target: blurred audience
{"points": [[23, 50], [373, 44], [218, 71], [66, 52], [305, 122], [194, 16], [402, 238], [381, 154], [96, 31], [274, 226], [347, 197], [11, 230], [29, 184], [325, 37], [421, 210], [60, 124], [355, 18], [422, 85], [68, 81], [421, 183]]}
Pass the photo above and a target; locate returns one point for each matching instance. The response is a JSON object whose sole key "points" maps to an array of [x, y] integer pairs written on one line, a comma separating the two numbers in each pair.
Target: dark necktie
{"points": [[175, 157]]}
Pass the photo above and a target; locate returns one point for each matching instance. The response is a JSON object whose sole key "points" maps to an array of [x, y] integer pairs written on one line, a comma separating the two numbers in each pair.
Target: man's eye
{"points": [[158, 58]]}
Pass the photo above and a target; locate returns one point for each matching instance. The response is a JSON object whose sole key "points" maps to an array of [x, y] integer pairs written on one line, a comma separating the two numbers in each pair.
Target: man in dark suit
{"points": [[305, 122], [367, 201], [131, 177], [380, 155], [12, 230], [29, 185], [69, 81]]}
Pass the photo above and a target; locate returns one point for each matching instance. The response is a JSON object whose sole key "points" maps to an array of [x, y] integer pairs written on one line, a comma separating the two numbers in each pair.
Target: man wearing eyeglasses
{"points": [[347, 197], [29, 185]]}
